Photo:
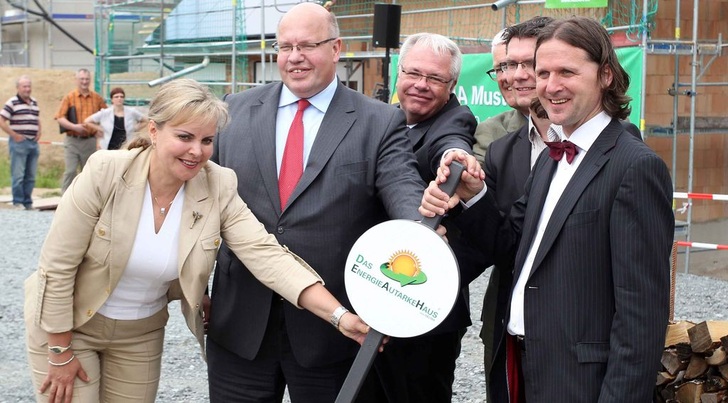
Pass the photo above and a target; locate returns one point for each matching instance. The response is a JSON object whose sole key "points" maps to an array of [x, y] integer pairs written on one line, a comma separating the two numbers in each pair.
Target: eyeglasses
{"points": [[301, 47], [493, 73], [415, 76], [512, 66]]}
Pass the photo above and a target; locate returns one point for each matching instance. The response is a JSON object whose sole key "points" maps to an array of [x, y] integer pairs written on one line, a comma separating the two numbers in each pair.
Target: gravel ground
{"points": [[184, 376]]}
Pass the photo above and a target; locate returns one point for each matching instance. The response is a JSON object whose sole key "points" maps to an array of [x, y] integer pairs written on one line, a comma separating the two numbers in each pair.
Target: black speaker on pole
{"points": [[386, 25]]}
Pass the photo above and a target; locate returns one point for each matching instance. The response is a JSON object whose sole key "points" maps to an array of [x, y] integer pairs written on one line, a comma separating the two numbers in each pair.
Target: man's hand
{"points": [[471, 181]]}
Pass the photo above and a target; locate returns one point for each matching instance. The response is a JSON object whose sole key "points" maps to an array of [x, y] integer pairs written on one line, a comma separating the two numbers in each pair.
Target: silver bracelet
{"points": [[336, 316], [59, 349], [60, 364]]}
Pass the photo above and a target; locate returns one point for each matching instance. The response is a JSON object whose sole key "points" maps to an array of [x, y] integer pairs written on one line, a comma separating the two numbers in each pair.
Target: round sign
{"points": [[401, 278]]}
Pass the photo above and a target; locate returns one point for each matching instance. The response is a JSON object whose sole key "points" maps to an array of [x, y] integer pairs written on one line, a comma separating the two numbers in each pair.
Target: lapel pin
{"points": [[196, 217]]}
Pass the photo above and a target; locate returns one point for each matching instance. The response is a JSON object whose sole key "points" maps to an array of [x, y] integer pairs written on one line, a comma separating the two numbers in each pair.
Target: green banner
{"points": [[575, 3], [481, 94]]}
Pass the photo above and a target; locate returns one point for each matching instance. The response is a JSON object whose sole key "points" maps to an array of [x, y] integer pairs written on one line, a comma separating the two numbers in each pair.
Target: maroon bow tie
{"points": [[557, 149]]}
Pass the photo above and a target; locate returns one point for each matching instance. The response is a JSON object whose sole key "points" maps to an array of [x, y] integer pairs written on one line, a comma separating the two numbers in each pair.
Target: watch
{"points": [[59, 349], [336, 316]]}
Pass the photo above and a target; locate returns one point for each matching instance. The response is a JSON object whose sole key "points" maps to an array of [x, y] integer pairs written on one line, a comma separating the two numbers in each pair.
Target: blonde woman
{"points": [[136, 229]]}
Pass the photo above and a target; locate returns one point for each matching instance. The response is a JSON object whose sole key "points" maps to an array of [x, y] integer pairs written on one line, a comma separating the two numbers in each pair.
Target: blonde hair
{"points": [[181, 101]]}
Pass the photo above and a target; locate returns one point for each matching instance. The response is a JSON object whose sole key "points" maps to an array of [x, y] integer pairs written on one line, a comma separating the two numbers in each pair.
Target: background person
{"points": [[503, 123], [19, 118], [356, 170], [137, 229], [114, 125], [80, 142]]}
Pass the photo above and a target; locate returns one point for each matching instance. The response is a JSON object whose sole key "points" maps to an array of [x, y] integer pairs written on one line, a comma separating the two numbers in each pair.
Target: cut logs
{"points": [[694, 364]]}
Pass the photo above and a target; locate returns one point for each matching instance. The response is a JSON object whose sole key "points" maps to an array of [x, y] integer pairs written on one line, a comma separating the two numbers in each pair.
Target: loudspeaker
{"points": [[386, 25]]}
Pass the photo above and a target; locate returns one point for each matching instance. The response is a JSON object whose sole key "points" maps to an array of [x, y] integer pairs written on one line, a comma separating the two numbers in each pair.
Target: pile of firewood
{"points": [[694, 364]]}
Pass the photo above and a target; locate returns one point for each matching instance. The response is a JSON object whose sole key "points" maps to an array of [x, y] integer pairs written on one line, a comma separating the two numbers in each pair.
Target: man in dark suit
{"points": [[359, 171], [591, 237], [422, 369], [507, 165]]}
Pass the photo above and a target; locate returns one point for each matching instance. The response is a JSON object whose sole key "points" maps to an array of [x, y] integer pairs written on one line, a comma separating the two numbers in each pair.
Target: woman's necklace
{"points": [[162, 210]]}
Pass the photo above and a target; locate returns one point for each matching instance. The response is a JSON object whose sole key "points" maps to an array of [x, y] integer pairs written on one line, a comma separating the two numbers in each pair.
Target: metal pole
{"points": [[644, 68], [233, 72], [693, 94], [262, 41], [675, 99]]}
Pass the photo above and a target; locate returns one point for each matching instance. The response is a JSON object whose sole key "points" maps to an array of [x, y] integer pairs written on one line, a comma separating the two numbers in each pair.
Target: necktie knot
{"points": [[303, 104], [557, 149]]}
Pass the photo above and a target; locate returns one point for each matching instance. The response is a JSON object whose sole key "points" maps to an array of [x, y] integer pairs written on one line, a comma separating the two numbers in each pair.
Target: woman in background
{"points": [[116, 123], [136, 229]]}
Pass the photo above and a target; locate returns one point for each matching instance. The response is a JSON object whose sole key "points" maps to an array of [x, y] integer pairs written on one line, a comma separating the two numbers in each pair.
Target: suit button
{"points": [[280, 230], [217, 242], [102, 232], [89, 313], [197, 306]]}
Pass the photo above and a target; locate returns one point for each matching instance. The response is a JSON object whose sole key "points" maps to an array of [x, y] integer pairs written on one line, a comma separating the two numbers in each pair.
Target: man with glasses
{"points": [[318, 165], [507, 164], [499, 125], [422, 369]]}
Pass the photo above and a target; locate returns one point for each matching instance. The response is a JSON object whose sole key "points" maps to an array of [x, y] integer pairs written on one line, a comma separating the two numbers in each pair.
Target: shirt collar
{"points": [[320, 101], [533, 133], [585, 135]]}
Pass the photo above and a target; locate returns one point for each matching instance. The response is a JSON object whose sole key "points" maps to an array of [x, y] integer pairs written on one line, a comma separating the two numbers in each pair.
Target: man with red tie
{"points": [[590, 238], [318, 164]]}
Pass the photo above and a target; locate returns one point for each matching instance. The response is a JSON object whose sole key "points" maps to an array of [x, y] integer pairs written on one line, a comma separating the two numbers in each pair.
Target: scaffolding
{"points": [[702, 55], [227, 45]]}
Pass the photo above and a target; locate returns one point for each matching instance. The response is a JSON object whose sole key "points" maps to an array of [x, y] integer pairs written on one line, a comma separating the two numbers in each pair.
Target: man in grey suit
{"points": [[499, 125], [359, 171], [591, 237]]}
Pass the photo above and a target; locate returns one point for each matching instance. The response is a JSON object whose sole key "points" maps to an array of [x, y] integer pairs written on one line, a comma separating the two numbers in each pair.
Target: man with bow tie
{"points": [[590, 238]]}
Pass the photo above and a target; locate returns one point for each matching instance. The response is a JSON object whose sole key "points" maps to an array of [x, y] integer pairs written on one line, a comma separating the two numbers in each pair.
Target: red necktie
{"points": [[557, 149], [292, 164]]}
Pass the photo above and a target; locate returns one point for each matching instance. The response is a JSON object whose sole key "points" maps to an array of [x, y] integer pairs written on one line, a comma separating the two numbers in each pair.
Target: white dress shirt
{"points": [[312, 118], [583, 137]]}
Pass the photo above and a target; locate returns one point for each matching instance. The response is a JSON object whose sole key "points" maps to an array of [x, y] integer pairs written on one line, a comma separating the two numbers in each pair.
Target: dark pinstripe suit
{"points": [[596, 301]]}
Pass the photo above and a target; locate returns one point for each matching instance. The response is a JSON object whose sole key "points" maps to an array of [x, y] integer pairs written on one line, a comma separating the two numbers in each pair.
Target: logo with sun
{"points": [[404, 266]]}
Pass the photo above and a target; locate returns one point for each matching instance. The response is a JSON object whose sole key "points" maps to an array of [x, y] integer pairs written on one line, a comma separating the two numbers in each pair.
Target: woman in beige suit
{"points": [[135, 230]]}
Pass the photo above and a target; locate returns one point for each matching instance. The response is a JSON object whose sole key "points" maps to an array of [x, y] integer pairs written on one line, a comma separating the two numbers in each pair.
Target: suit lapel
{"points": [[337, 122], [197, 209], [127, 206], [545, 168], [263, 121], [416, 133], [593, 162], [522, 161]]}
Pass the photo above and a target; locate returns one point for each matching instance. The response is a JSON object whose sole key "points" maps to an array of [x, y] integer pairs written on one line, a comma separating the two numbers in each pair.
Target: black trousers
{"points": [[264, 379], [420, 369]]}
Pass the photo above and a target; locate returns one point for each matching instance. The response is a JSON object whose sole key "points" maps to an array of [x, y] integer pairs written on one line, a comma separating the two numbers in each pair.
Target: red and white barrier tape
{"points": [[702, 196], [55, 143], [701, 245]]}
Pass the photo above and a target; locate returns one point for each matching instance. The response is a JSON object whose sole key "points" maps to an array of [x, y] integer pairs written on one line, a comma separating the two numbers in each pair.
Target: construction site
{"points": [[679, 72]]}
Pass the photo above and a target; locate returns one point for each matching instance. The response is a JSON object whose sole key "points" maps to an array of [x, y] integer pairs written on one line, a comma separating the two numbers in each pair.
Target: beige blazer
{"points": [[94, 227]]}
